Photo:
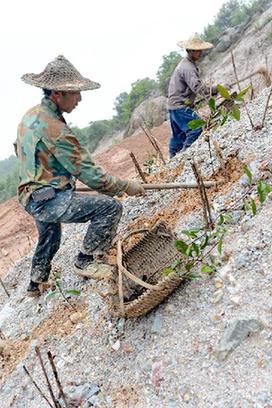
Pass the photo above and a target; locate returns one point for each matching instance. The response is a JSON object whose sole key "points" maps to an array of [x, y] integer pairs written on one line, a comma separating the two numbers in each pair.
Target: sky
{"points": [[113, 42]]}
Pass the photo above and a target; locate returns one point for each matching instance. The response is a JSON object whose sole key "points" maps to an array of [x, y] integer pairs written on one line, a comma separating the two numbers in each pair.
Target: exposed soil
{"points": [[17, 233]]}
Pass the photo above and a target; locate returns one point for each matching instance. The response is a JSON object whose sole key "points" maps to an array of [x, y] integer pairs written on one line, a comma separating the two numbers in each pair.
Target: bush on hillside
{"points": [[232, 14], [9, 179], [166, 69]]}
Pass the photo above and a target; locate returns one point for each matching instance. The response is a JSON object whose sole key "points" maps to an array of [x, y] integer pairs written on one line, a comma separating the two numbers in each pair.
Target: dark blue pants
{"points": [[103, 212], [182, 135]]}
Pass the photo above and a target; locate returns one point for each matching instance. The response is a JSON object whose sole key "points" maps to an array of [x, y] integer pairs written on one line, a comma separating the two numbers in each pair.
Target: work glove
{"points": [[134, 188]]}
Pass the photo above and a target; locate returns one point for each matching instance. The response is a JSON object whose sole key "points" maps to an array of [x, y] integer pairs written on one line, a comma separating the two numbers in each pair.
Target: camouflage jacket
{"points": [[51, 155]]}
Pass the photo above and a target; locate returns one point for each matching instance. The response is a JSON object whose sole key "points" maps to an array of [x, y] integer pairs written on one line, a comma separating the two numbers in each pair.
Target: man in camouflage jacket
{"points": [[51, 159]]}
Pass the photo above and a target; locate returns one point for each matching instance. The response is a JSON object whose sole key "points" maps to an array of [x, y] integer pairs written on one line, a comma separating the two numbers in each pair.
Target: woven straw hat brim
{"points": [[60, 75], [195, 44], [82, 84]]}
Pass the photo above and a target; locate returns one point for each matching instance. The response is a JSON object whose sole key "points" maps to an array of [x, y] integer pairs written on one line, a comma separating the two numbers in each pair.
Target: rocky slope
{"points": [[208, 345], [251, 49]]}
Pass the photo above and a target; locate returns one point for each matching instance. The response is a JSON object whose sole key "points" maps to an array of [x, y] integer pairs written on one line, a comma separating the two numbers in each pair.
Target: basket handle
{"points": [[122, 270]]}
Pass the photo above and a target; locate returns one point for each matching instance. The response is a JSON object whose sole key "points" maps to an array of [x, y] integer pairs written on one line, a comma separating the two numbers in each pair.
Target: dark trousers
{"points": [[103, 212], [182, 135]]}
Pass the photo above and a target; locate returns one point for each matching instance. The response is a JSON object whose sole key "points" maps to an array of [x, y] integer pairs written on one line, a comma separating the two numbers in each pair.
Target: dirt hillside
{"points": [[17, 233]]}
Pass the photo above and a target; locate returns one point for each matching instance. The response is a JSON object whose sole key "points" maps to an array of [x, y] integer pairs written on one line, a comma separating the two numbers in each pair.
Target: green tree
{"points": [[125, 103], [212, 33], [225, 14], [10, 181], [119, 102], [91, 135], [231, 14], [141, 89], [164, 72]]}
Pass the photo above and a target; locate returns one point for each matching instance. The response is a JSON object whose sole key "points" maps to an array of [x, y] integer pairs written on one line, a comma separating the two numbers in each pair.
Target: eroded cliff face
{"points": [[251, 47]]}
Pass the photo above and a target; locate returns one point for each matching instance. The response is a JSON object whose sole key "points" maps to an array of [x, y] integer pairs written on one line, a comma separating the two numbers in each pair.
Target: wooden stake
{"points": [[204, 197], [2, 284], [266, 107], [239, 87], [56, 403], [252, 90], [54, 369], [137, 166], [153, 141], [37, 387]]}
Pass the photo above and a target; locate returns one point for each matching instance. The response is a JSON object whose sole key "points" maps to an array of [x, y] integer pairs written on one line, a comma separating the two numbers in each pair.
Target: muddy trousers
{"points": [[103, 212]]}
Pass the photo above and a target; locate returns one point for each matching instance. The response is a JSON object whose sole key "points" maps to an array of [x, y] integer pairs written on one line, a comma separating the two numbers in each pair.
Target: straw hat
{"points": [[60, 75], [195, 43]]}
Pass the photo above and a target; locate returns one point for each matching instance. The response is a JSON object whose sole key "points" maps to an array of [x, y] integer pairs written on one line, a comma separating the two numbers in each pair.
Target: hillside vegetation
{"points": [[8, 178]]}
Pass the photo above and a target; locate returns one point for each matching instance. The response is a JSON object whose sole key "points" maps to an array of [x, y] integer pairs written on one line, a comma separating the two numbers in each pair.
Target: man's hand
{"points": [[134, 188]]}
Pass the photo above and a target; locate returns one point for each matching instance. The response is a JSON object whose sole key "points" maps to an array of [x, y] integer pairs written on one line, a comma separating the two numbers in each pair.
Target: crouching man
{"points": [[51, 159]]}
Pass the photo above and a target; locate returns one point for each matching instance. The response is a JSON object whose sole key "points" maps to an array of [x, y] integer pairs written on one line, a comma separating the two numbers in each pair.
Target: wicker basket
{"points": [[139, 284]]}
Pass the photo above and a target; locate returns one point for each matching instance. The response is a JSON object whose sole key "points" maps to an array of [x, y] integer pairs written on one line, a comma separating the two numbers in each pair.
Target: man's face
{"points": [[66, 101], [195, 54]]}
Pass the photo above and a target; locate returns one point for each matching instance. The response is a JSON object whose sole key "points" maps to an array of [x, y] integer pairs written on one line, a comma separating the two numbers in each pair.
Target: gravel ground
{"points": [[208, 345]]}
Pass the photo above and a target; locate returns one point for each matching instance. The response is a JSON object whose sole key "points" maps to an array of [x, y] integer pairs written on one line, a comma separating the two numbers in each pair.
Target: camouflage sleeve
{"points": [[77, 160]]}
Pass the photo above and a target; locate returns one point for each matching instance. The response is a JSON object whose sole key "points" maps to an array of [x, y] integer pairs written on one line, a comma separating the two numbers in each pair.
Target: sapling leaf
{"points": [[191, 232], [268, 188], [247, 205], [196, 248], [189, 266], [189, 250], [253, 207], [235, 112], [196, 123], [192, 276], [224, 92], [167, 271], [205, 242], [73, 292], [58, 283], [221, 219], [181, 246], [248, 173], [223, 121], [261, 191], [212, 104], [207, 269], [241, 94], [50, 294], [220, 245]]}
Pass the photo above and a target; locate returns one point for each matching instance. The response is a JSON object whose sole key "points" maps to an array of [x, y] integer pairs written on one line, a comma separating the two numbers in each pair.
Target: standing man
{"points": [[51, 159], [184, 85]]}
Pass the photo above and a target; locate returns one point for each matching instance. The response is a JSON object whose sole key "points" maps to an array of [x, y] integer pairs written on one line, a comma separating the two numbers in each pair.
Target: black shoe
{"points": [[83, 260], [33, 289]]}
